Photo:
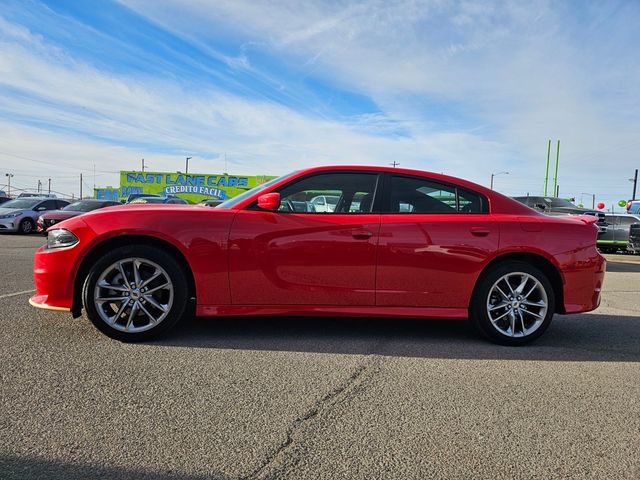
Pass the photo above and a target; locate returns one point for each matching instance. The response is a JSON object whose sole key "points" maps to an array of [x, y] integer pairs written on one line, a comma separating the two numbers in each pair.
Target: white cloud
{"points": [[513, 73], [526, 71]]}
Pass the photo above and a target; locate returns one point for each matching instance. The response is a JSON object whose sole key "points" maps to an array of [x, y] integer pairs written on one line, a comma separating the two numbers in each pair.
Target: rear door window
{"points": [[422, 195]]}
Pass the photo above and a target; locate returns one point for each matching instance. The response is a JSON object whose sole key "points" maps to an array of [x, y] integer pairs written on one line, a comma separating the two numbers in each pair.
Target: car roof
{"points": [[499, 203]]}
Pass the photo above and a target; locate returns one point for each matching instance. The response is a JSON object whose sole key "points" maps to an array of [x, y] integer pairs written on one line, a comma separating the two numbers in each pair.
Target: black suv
{"points": [[560, 206]]}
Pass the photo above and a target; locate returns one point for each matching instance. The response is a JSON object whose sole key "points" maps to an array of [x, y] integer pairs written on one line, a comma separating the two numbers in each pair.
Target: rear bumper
{"points": [[583, 280]]}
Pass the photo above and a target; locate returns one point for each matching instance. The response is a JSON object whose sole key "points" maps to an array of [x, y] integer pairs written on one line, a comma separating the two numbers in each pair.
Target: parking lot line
{"points": [[7, 295]]}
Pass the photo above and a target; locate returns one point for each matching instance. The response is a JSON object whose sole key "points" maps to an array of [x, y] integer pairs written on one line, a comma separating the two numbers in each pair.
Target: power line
{"points": [[56, 164]]}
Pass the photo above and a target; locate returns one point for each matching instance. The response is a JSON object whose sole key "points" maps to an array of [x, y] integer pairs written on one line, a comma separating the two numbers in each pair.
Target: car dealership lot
{"points": [[317, 398]]}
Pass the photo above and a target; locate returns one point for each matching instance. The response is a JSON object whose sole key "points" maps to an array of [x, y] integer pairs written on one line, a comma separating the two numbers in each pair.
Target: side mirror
{"points": [[269, 201], [39, 209]]}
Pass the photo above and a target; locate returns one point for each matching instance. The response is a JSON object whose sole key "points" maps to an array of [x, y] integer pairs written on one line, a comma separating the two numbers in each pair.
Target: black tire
{"points": [[172, 269], [479, 316], [27, 226]]}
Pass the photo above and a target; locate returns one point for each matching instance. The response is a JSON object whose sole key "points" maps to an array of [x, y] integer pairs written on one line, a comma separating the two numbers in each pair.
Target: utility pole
{"points": [[635, 184], [394, 164], [9, 175], [557, 190], [49, 186], [546, 172], [39, 186], [186, 167], [555, 178], [143, 165], [80, 186]]}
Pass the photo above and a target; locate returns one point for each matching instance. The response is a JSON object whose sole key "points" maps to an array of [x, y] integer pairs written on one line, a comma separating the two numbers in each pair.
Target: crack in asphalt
{"points": [[346, 390]]}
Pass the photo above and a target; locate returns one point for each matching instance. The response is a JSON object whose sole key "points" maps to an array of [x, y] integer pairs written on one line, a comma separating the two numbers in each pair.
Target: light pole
{"points": [[49, 186], [9, 175], [635, 184], [495, 175], [186, 167], [593, 199]]}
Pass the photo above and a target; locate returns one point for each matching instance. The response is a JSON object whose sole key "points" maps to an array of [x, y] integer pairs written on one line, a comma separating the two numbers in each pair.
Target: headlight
{"points": [[11, 215], [61, 238]]}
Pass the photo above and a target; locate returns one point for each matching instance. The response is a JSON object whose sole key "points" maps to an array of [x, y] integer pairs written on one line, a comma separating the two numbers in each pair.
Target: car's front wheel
{"points": [[135, 293], [513, 303], [27, 226]]}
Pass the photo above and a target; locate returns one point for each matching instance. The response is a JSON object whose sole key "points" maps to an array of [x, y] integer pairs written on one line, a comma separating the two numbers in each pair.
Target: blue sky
{"points": [[465, 88]]}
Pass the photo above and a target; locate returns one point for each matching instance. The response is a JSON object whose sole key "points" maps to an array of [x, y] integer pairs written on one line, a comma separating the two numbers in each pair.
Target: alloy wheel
{"points": [[517, 304], [133, 295]]}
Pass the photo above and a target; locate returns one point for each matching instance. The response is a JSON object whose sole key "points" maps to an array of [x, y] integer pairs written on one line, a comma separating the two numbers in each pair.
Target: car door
{"points": [[623, 228], [296, 256], [434, 239], [607, 238], [45, 206]]}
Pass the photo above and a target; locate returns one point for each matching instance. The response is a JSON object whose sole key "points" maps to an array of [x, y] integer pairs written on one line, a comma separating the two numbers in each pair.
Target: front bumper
{"points": [[9, 224], [40, 301], [54, 278]]}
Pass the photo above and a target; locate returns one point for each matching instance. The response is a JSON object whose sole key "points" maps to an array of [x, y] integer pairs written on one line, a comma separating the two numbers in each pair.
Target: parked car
{"points": [[419, 245], [634, 238], [560, 206], [633, 206], [21, 214], [324, 203], [169, 200], [210, 202], [616, 236], [552, 205], [76, 208], [133, 196], [37, 195]]}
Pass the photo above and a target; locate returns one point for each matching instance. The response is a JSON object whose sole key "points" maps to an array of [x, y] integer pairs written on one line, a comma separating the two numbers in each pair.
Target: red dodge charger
{"points": [[396, 243]]}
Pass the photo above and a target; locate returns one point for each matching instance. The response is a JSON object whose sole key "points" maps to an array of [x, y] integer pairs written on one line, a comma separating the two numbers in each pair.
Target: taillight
{"points": [[628, 206]]}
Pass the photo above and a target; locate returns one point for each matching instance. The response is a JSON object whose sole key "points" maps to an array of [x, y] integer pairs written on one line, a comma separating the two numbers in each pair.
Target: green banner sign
{"points": [[193, 187]]}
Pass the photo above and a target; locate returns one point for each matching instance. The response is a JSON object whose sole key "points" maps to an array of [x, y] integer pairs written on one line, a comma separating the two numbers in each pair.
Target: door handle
{"points": [[479, 231], [361, 234]]}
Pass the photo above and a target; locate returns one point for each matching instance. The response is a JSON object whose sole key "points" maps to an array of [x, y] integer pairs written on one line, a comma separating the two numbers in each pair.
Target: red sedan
{"points": [[399, 243]]}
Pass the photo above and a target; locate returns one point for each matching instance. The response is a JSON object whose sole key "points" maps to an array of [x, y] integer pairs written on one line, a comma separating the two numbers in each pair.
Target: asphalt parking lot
{"points": [[317, 398]]}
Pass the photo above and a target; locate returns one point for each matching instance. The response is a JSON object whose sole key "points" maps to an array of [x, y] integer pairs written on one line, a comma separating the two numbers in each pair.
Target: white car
{"points": [[324, 203], [21, 214]]}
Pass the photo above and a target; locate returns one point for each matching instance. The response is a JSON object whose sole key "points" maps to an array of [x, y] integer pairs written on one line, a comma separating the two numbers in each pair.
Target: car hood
{"points": [[7, 211], [60, 214], [571, 210]]}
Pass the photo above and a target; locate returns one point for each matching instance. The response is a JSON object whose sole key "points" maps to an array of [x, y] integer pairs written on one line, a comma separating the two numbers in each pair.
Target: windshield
{"points": [[235, 200], [82, 206], [22, 203], [558, 202], [148, 200]]}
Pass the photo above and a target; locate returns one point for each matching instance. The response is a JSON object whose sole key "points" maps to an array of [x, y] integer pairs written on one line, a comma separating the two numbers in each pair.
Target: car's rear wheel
{"points": [[135, 293], [27, 226], [513, 303]]}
